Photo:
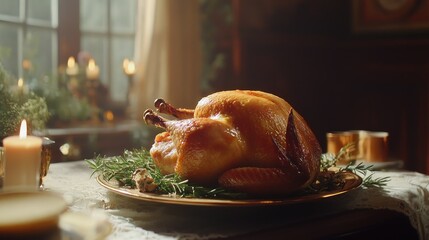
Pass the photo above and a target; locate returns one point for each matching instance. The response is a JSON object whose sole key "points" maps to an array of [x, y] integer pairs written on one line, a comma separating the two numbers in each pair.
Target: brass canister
{"points": [[337, 140], [368, 146], [375, 146]]}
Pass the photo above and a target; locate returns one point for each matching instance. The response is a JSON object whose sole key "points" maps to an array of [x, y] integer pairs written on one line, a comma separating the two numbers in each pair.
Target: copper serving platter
{"points": [[352, 181]]}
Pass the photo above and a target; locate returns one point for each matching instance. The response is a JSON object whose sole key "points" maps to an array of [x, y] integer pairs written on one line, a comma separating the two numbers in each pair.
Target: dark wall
{"points": [[307, 52]]}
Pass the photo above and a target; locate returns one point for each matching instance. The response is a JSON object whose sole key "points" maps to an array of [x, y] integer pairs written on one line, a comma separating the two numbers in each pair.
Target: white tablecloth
{"points": [[407, 192]]}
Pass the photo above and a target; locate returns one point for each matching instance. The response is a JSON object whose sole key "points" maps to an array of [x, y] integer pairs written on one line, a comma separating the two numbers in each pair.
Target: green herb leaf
{"points": [[121, 168], [330, 160]]}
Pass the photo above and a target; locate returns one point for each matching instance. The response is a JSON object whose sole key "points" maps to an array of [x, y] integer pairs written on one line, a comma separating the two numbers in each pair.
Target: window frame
{"points": [[23, 22], [109, 35], [67, 36]]}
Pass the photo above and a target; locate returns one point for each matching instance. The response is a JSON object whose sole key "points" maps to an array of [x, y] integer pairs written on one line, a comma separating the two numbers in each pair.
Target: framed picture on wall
{"points": [[390, 15]]}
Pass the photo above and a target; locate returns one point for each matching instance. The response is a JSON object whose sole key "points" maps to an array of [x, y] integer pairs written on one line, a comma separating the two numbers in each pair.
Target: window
{"points": [[28, 37], [107, 34], [36, 36]]}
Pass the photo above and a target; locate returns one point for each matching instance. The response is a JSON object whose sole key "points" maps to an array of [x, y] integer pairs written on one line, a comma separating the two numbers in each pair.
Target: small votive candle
{"points": [[72, 68], [92, 71], [129, 67], [22, 156]]}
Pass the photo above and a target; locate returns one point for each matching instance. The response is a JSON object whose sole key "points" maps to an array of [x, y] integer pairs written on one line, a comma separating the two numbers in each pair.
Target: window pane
{"points": [[40, 11], [9, 48], [123, 14], [93, 15], [97, 47], [122, 48], [40, 51], [9, 8]]}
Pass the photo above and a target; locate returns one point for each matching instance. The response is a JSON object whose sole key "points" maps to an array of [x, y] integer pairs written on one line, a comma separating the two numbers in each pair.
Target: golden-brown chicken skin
{"points": [[249, 141]]}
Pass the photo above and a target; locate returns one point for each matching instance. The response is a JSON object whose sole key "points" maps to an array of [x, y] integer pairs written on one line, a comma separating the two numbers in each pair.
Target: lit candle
{"points": [[72, 67], [125, 63], [129, 67], [22, 161], [92, 71], [21, 83], [20, 86]]}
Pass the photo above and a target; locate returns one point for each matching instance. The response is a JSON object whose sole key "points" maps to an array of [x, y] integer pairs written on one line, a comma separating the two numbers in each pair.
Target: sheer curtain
{"points": [[167, 54]]}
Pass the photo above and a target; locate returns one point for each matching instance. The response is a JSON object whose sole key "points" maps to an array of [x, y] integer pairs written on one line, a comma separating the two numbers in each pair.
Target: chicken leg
{"points": [[198, 149], [180, 113]]}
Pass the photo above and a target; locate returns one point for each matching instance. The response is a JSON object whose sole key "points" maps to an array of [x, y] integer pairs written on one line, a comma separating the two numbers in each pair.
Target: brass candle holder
{"points": [[45, 159]]}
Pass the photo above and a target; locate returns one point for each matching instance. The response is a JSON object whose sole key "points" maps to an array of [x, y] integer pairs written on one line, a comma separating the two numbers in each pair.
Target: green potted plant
{"points": [[13, 109]]}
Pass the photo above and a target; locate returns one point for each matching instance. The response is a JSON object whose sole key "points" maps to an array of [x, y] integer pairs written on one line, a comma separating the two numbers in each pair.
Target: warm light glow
{"points": [[65, 149], [91, 64], [92, 71], [129, 67], [125, 63], [72, 67], [23, 130], [26, 64], [71, 62], [109, 116], [20, 83]]}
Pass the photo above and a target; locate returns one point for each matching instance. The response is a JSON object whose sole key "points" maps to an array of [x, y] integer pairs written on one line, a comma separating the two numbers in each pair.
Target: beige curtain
{"points": [[167, 54]]}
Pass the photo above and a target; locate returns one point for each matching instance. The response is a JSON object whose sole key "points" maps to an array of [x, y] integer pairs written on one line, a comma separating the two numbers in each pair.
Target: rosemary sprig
{"points": [[365, 171], [329, 160], [121, 168]]}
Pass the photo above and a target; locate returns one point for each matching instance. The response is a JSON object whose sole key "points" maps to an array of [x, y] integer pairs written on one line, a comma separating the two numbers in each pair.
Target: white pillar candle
{"points": [[92, 70], [22, 156], [129, 67], [72, 68]]}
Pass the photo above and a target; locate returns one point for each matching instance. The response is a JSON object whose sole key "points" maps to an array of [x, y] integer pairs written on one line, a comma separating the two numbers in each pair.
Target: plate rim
{"points": [[215, 202], [35, 223]]}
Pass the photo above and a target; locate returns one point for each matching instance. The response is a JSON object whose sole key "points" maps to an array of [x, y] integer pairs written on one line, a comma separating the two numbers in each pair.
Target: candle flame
{"points": [[109, 116], [125, 63], [92, 70], [20, 83], [23, 130], [91, 64], [129, 67], [71, 62]]}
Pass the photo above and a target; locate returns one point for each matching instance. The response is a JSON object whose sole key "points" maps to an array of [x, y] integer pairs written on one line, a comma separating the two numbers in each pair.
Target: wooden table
{"points": [[354, 224]]}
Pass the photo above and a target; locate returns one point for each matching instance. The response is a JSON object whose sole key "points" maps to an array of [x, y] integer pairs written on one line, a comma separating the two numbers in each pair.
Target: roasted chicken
{"points": [[248, 141]]}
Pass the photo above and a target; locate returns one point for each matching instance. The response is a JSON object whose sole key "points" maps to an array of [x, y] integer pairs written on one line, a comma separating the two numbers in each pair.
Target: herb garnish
{"points": [[121, 168], [330, 174]]}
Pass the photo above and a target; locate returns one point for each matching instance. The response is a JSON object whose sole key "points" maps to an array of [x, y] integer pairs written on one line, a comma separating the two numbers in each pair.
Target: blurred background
{"points": [[343, 65]]}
